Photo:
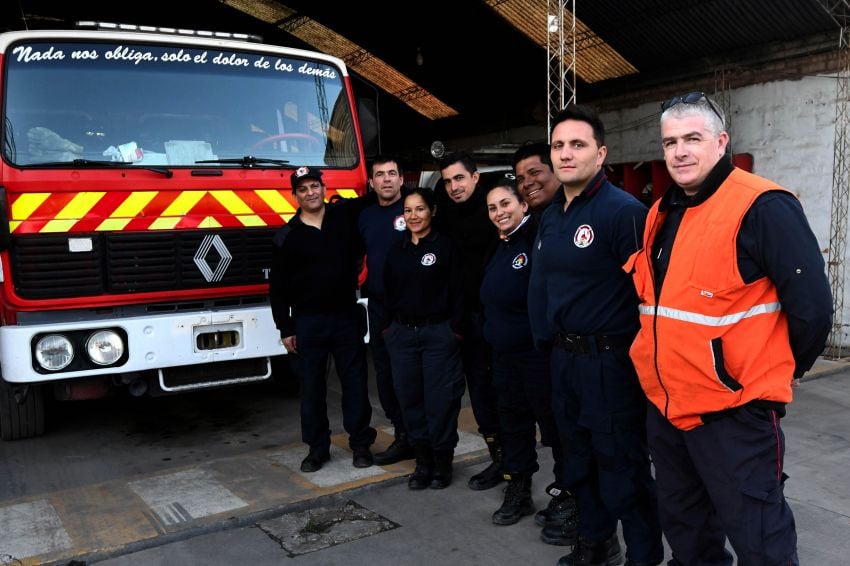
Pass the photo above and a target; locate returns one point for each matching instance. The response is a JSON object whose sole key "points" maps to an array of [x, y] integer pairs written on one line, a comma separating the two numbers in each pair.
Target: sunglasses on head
{"points": [[691, 98]]}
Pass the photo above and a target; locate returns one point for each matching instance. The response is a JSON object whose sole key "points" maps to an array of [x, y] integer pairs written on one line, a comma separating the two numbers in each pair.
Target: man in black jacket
{"points": [[463, 217], [313, 286]]}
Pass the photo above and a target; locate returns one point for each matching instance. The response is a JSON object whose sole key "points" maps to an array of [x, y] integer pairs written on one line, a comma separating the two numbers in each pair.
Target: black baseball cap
{"points": [[305, 173]]}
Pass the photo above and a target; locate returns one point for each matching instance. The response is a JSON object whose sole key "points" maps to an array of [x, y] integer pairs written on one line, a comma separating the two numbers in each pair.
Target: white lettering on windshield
{"points": [[137, 56], [27, 54]]}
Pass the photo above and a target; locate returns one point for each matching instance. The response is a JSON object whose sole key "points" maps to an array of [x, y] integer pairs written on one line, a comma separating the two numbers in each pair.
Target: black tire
{"points": [[284, 380], [24, 419]]}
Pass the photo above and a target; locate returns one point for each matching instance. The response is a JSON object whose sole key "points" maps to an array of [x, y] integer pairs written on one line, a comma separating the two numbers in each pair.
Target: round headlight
{"points": [[54, 352], [104, 347]]}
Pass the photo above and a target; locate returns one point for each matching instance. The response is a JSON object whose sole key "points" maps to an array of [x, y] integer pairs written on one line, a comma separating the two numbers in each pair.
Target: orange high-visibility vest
{"points": [[712, 342]]}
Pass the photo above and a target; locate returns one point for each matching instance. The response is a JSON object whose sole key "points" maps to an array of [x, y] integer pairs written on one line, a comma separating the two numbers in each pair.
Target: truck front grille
{"points": [[43, 267]]}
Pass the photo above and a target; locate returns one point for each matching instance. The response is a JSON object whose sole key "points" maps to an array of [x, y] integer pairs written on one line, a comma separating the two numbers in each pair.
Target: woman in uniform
{"points": [[520, 373], [422, 279]]}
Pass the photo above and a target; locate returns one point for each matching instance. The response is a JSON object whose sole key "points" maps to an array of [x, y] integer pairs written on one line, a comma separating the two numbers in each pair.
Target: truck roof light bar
{"points": [[110, 26]]}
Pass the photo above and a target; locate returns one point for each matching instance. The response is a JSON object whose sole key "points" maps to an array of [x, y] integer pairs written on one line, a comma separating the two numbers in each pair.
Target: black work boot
{"points": [[442, 477], [399, 450], [563, 532], [587, 553], [518, 502], [421, 477], [558, 508], [315, 459], [491, 476]]}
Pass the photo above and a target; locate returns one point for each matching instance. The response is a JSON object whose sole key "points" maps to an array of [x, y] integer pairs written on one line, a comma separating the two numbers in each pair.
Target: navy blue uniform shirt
{"points": [[424, 280], [504, 291], [380, 227], [577, 281]]}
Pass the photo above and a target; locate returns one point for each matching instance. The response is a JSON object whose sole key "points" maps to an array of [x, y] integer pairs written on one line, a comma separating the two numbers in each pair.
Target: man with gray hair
{"points": [[734, 304]]}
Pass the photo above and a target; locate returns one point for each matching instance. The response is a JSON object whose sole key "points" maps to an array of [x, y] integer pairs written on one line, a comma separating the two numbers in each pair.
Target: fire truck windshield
{"points": [[172, 105]]}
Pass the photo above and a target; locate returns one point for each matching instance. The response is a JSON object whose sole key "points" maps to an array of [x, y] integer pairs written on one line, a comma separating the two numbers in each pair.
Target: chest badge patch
{"points": [[520, 261], [583, 236], [428, 259], [399, 224]]}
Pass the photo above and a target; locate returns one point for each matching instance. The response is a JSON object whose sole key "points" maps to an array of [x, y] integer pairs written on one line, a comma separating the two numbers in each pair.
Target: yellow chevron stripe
{"points": [[251, 220], [26, 205], [13, 225], [59, 225], [184, 203], [347, 193], [209, 222], [79, 206], [231, 202], [276, 201], [133, 204], [164, 223], [113, 224]]}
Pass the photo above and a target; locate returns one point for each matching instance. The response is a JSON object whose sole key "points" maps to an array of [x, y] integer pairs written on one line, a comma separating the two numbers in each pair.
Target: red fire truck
{"points": [[143, 174]]}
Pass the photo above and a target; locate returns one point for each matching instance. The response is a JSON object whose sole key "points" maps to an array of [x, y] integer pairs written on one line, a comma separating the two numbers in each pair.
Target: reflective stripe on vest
{"points": [[706, 320]]}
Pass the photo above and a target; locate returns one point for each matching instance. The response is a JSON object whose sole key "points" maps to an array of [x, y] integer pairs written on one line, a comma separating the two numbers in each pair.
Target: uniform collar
{"points": [[591, 189], [432, 235], [519, 226], [296, 218]]}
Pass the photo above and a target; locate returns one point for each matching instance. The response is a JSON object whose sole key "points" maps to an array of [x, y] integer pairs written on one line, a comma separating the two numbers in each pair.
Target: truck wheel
{"points": [[284, 379], [21, 411]]}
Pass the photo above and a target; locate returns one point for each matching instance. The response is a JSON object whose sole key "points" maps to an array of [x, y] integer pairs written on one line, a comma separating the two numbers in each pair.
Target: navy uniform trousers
{"points": [[341, 335], [721, 479], [381, 362], [600, 410], [524, 385], [428, 381]]}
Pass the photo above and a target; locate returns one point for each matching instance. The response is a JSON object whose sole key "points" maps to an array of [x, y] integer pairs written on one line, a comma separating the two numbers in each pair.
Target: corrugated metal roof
{"points": [[595, 59], [655, 34]]}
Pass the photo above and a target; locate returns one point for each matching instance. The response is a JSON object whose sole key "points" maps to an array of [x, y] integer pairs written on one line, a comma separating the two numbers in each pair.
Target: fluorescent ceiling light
{"points": [[355, 57], [595, 59]]}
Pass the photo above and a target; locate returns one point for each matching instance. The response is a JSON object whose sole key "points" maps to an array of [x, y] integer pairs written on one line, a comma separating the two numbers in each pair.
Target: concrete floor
{"points": [[212, 478]]}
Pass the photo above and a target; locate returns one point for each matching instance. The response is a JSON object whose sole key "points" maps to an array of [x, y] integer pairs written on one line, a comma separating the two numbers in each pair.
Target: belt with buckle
{"points": [[417, 321], [593, 343]]}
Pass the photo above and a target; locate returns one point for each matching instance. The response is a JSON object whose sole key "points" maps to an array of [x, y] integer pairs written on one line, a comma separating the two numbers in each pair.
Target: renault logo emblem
{"points": [[224, 261]]}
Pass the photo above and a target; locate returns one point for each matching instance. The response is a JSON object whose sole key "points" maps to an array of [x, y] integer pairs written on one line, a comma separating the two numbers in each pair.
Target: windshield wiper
{"points": [[247, 161], [102, 163]]}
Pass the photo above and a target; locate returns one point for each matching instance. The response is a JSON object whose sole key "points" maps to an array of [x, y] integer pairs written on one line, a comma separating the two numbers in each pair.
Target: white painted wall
{"points": [[787, 126]]}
